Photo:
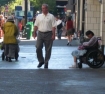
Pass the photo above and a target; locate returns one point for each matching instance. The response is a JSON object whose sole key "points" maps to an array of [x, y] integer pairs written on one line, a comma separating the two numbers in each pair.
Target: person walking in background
{"points": [[10, 33], [2, 21], [46, 25], [59, 27], [20, 28], [23, 23], [69, 30]]}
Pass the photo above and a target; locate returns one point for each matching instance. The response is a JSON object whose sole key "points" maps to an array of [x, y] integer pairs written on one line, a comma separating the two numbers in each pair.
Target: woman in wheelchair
{"points": [[81, 49]]}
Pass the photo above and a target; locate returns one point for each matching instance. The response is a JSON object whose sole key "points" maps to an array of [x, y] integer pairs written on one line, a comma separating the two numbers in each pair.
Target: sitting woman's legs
{"points": [[75, 62], [75, 59], [75, 55]]}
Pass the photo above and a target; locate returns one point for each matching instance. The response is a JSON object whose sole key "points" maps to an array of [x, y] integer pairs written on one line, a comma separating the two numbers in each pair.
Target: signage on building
{"points": [[19, 13], [61, 6]]}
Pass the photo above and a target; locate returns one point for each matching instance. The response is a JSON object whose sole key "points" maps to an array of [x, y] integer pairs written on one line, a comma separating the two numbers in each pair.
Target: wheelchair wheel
{"points": [[95, 59]]}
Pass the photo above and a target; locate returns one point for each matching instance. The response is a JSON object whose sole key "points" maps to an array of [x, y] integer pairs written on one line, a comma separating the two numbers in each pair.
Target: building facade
{"points": [[91, 16]]}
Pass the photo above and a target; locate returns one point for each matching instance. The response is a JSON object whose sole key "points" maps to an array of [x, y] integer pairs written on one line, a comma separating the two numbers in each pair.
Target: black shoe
{"points": [[6, 58], [9, 59], [70, 44], [40, 64], [67, 43], [46, 66], [80, 65]]}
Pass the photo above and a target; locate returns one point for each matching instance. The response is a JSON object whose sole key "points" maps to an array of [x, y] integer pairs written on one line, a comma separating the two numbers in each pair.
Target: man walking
{"points": [[45, 24], [59, 27]]}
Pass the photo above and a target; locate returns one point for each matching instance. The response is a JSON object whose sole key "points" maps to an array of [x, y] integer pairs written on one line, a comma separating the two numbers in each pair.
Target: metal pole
{"points": [[26, 9], [73, 6], [83, 17], [78, 19]]}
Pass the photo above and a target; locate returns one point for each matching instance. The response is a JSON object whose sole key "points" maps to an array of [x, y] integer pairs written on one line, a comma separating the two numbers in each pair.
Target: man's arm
{"points": [[35, 30], [54, 25], [35, 27], [53, 33]]}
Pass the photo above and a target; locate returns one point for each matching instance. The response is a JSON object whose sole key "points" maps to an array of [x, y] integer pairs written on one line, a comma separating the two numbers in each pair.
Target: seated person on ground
{"points": [[81, 49]]}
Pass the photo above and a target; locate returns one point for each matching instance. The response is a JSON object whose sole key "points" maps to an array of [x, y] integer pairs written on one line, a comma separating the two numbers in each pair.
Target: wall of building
{"points": [[102, 23], [93, 15]]}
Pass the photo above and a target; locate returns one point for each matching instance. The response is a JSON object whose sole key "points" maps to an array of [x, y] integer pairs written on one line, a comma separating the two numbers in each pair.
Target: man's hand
{"points": [[53, 36], [34, 35]]}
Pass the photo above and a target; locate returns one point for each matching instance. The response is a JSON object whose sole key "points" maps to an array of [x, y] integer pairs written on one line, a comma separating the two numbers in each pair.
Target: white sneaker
{"points": [[74, 66]]}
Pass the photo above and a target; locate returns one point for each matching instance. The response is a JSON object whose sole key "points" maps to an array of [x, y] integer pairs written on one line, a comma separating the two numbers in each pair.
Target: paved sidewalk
{"points": [[62, 42], [61, 58]]}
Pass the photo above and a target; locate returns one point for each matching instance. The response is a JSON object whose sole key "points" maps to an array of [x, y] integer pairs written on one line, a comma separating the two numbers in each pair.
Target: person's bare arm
{"points": [[54, 24], [53, 33], [66, 26], [35, 30]]}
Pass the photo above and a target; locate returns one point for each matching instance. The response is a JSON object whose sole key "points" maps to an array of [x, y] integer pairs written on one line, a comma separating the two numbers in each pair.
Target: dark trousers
{"points": [[59, 33], [10, 50], [44, 39]]}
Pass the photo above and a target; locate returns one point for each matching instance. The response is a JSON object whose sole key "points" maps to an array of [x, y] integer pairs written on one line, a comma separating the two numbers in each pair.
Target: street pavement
{"points": [[23, 76], [61, 57]]}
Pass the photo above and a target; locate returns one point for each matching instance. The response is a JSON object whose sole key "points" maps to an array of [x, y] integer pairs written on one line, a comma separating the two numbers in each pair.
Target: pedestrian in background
{"points": [[69, 30], [59, 27], [2, 21], [20, 28], [10, 33], [23, 23], [46, 25]]}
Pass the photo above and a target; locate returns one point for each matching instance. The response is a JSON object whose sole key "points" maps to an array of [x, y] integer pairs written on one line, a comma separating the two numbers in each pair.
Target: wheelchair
{"points": [[94, 57]]}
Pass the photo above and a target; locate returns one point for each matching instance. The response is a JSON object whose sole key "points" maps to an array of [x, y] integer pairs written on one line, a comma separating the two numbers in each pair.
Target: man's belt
{"points": [[45, 32]]}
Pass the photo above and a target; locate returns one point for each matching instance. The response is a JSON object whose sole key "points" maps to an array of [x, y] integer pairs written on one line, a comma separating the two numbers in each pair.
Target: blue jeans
{"points": [[59, 33]]}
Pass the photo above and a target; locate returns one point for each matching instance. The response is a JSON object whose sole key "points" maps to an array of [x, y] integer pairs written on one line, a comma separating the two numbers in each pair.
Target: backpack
{"points": [[60, 26]]}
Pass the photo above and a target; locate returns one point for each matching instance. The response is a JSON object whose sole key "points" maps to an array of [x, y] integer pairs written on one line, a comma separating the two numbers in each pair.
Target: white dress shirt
{"points": [[45, 22]]}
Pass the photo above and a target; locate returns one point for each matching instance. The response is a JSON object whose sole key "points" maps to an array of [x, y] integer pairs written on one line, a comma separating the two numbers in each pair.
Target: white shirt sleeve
{"points": [[54, 23]]}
